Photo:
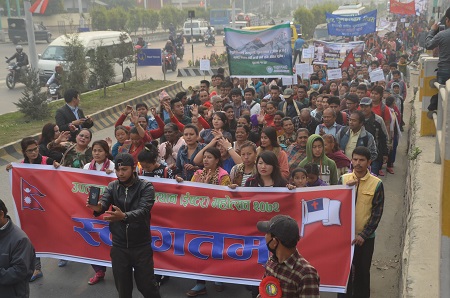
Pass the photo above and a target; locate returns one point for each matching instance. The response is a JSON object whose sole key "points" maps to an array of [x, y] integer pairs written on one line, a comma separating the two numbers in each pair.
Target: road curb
{"points": [[102, 119], [420, 256]]}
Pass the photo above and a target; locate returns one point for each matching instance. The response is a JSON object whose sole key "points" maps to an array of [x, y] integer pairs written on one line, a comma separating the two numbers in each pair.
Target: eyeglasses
{"points": [[35, 149]]}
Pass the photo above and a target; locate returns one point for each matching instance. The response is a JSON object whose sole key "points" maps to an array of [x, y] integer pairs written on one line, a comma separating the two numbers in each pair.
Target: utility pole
{"points": [[30, 33], [80, 11], [233, 14]]}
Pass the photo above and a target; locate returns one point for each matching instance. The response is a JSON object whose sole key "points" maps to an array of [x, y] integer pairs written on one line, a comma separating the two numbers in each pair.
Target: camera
{"points": [[441, 27]]}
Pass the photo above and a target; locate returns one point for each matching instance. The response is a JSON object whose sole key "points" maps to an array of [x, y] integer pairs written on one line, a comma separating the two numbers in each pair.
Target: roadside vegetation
{"points": [[15, 126]]}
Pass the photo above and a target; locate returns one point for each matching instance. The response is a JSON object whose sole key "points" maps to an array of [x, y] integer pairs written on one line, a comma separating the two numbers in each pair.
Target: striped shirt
{"points": [[297, 277]]}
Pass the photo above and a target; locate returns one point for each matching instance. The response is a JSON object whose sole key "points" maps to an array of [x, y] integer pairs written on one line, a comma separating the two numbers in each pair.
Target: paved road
{"points": [[8, 97]]}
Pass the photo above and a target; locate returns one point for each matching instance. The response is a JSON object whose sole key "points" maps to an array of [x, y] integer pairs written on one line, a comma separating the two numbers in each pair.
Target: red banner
{"points": [[403, 8], [199, 231]]}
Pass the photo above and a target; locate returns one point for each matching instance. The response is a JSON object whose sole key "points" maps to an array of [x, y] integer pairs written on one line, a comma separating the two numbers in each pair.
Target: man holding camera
{"points": [[439, 36]]}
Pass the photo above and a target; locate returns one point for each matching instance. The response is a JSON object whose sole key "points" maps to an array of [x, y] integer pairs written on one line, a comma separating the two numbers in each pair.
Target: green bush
{"points": [[34, 102]]}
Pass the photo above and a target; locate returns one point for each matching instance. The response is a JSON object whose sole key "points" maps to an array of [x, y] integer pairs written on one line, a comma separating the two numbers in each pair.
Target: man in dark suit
{"points": [[70, 117]]}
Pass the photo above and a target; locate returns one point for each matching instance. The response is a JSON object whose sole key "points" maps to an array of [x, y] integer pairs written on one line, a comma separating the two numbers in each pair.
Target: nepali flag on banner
{"points": [[39, 6], [349, 60], [403, 7], [29, 195]]}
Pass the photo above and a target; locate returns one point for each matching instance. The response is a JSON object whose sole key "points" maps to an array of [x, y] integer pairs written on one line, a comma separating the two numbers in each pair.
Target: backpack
{"points": [[344, 118]]}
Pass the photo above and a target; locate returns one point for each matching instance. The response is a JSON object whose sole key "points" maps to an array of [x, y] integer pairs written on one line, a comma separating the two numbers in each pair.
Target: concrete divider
{"points": [[420, 256], [102, 119]]}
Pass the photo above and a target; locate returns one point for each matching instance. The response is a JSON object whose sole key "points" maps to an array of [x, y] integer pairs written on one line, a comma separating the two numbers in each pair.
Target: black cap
{"points": [[123, 160], [283, 227]]}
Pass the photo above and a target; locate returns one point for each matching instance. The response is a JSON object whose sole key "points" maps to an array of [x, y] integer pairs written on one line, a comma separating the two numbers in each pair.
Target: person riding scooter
{"points": [[21, 59], [169, 48], [209, 35], [56, 76], [141, 42]]}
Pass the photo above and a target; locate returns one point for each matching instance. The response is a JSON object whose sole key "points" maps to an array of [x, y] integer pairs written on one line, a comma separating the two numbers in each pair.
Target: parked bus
{"points": [[321, 31], [350, 10], [221, 18]]}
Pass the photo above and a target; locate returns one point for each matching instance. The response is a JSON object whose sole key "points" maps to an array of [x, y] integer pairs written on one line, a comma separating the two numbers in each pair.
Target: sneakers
{"points": [[36, 274], [62, 263], [99, 275]]}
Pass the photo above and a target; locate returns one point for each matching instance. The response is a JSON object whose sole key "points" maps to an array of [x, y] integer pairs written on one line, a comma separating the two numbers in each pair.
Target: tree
{"points": [[150, 20], [170, 14], [102, 65], [76, 66], [54, 7], [124, 53], [304, 17], [134, 20], [117, 19], [99, 16], [319, 12], [34, 102]]}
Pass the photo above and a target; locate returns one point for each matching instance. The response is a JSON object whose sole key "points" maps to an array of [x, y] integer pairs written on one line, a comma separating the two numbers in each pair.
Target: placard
{"points": [[332, 63], [403, 20], [334, 74], [304, 70], [205, 64], [308, 53], [377, 75], [287, 80]]}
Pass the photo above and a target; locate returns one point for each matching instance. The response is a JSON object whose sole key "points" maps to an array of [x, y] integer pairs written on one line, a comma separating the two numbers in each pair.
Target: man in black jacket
{"points": [[17, 258], [70, 117], [129, 222]]}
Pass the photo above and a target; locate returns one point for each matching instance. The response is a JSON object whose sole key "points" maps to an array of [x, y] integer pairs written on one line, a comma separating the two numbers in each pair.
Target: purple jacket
{"points": [[319, 182]]}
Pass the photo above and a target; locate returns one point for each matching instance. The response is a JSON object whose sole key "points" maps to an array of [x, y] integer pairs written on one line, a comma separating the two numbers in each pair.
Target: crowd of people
{"points": [[239, 132]]}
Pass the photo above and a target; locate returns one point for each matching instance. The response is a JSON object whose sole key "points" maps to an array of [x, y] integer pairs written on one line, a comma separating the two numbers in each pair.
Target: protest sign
{"points": [[192, 234], [325, 51], [377, 75], [339, 25], [334, 74], [263, 53], [205, 64]]}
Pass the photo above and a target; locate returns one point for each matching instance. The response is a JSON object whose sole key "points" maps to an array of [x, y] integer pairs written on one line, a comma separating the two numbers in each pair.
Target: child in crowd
{"points": [[313, 173], [122, 134], [298, 178]]}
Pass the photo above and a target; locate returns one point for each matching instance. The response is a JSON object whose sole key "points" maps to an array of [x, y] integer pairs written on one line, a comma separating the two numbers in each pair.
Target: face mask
{"points": [[274, 250], [360, 77], [315, 86]]}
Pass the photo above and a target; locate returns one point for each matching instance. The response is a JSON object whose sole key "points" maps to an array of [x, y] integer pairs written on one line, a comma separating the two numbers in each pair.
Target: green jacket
{"points": [[327, 167]]}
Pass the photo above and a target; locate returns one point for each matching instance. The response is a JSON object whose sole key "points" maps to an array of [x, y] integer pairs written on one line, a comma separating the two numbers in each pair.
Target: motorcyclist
{"points": [[171, 50], [56, 77], [21, 59], [172, 30], [141, 42], [209, 33]]}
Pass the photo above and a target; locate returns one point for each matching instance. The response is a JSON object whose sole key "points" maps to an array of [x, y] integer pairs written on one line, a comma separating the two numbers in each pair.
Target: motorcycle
{"points": [[209, 39], [168, 61], [180, 47], [53, 91], [14, 75]]}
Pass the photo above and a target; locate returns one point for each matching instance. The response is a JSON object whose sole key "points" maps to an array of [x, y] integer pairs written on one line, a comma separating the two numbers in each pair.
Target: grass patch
{"points": [[15, 126]]}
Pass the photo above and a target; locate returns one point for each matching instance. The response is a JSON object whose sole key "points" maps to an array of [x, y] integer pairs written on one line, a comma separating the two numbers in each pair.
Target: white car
{"points": [[198, 29]]}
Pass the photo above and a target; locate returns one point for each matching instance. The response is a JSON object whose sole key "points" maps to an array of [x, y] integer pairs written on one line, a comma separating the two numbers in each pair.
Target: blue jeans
{"points": [[443, 75], [375, 166]]}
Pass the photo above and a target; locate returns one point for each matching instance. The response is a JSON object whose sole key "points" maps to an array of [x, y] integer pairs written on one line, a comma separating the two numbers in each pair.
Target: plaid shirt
{"points": [[298, 279]]}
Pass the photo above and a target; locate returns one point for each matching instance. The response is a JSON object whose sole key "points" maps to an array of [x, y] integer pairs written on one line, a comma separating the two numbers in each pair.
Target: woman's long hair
{"points": [[271, 159]]}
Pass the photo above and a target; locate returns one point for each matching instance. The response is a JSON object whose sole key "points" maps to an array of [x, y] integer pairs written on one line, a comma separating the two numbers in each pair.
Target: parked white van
{"points": [[54, 54]]}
